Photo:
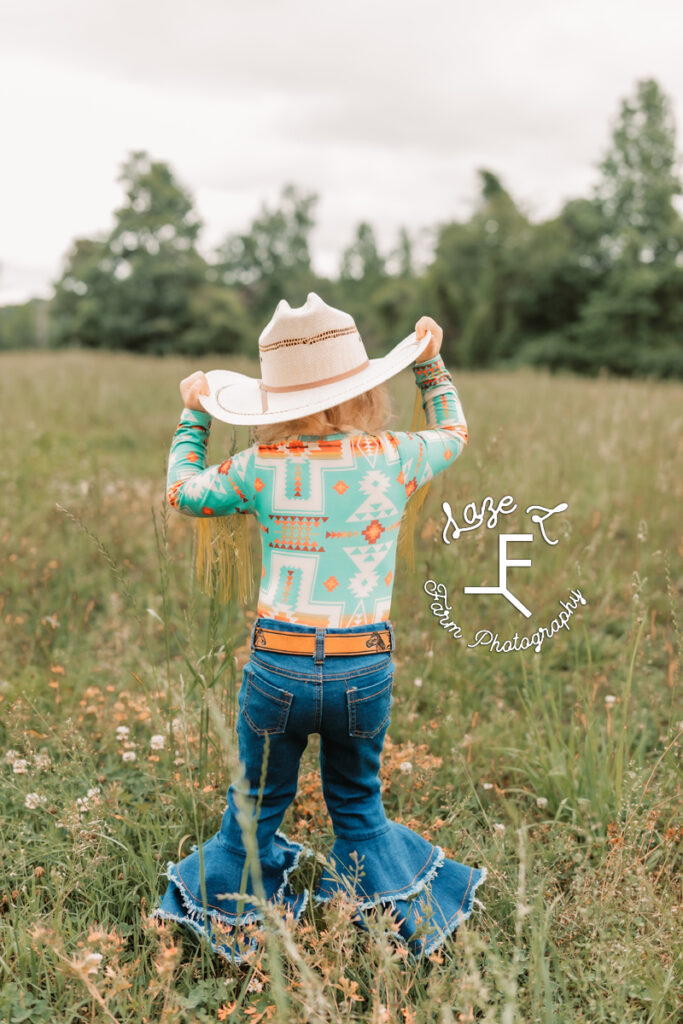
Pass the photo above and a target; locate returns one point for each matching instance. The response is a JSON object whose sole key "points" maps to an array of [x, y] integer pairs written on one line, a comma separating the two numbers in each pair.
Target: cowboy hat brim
{"points": [[238, 398]]}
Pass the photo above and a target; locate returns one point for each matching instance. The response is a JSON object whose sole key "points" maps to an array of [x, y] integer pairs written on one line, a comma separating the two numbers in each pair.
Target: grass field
{"points": [[559, 771]]}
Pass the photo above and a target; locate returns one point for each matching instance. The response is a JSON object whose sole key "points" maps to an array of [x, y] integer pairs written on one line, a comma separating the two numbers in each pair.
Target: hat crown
{"points": [[305, 345]]}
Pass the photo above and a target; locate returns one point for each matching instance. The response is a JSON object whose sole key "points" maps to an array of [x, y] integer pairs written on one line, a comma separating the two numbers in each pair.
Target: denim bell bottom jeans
{"points": [[347, 699]]}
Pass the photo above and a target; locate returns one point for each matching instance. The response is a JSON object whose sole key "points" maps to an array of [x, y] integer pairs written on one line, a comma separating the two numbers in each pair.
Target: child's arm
{"points": [[424, 453], [195, 490]]}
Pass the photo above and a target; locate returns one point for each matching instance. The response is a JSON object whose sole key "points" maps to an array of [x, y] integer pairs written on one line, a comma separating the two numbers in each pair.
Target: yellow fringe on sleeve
{"points": [[406, 537], [224, 556]]}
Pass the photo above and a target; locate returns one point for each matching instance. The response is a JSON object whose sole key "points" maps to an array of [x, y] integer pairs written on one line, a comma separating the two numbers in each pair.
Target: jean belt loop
{"points": [[319, 645], [391, 634]]}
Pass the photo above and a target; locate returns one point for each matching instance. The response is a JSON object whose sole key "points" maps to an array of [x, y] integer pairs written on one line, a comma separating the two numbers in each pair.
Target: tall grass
{"points": [[559, 771]]}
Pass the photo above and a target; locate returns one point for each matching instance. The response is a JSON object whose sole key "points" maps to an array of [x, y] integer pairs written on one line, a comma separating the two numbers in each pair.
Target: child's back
{"points": [[328, 508]]}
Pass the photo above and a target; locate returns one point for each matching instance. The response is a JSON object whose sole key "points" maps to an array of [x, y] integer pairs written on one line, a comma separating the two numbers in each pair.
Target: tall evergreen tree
{"points": [[362, 260], [633, 321], [640, 178], [401, 259]]}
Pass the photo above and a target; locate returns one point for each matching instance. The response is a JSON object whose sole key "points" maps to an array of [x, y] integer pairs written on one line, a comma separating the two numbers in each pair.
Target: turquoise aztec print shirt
{"points": [[328, 508]]}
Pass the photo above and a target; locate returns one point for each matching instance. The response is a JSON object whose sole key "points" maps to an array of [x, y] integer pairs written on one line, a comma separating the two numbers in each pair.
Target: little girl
{"points": [[328, 485]]}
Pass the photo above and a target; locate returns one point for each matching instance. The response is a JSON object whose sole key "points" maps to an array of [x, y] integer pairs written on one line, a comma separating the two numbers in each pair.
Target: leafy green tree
{"points": [[272, 260], [397, 301], [474, 276], [135, 288], [558, 266], [218, 322], [362, 272]]}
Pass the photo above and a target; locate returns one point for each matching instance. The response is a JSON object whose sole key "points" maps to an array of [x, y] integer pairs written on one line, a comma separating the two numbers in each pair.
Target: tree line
{"points": [[597, 287]]}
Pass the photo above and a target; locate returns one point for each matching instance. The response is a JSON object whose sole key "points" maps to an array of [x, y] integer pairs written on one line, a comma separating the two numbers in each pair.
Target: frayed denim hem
{"points": [[464, 914], [250, 916], [194, 921], [189, 911], [399, 894], [426, 911], [419, 947], [232, 956]]}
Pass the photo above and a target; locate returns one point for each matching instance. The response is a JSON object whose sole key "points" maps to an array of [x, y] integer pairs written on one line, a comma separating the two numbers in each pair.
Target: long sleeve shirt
{"points": [[329, 508]]}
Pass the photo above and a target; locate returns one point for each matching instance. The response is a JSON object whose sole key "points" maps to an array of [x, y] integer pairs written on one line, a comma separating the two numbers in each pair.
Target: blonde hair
{"points": [[367, 413]]}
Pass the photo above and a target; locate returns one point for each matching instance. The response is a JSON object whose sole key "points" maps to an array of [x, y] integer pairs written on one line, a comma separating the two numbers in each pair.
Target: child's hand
{"points": [[424, 324], [192, 386]]}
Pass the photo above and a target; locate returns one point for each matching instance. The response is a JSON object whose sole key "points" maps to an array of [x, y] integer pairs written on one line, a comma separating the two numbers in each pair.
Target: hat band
{"points": [[316, 383], [313, 384]]}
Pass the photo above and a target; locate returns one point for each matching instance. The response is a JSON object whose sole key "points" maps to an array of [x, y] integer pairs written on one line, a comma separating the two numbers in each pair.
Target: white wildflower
{"points": [[11, 756], [487, 785], [418, 681], [498, 826], [128, 755], [91, 963], [94, 794], [20, 766], [541, 801], [82, 804], [157, 742], [42, 760], [610, 700], [122, 732], [34, 800], [406, 766]]}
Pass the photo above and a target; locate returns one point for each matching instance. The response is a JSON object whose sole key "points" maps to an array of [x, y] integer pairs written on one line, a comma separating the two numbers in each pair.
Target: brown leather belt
{"points": [[375, 641]]}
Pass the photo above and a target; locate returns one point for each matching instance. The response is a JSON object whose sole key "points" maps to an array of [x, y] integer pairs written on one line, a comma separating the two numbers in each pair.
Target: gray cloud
{"points": [[385, 109]]}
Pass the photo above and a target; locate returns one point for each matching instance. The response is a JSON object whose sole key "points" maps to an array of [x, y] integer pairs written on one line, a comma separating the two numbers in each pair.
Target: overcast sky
{"points": [[385, 108]]}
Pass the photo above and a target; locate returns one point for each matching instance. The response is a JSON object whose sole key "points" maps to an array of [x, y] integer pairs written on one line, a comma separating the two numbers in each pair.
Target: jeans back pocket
{"points": [[265, 706], [369, 705]]}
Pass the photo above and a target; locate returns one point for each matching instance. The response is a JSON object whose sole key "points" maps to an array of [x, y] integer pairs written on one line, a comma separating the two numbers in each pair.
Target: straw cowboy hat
{"points": [[312, 357]]}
